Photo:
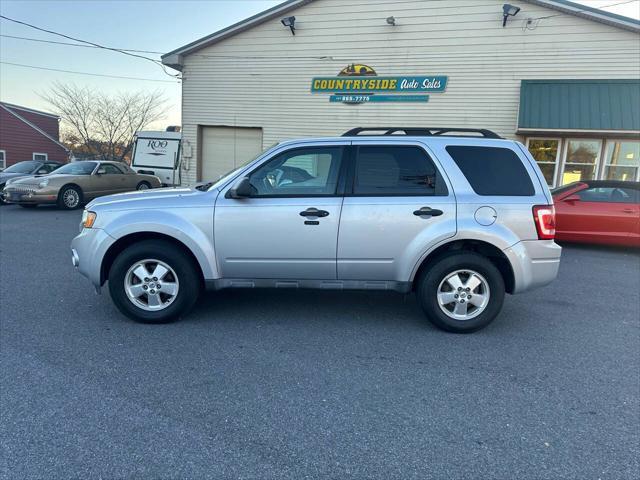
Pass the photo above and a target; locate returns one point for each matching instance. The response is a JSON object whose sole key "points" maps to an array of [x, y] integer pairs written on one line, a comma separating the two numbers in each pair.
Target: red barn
{"points": [[27, 134]]}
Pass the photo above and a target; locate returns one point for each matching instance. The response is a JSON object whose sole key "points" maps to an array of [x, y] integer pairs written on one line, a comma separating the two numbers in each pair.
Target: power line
{"points": [[157, 62], [76, 44], [86, 73]]}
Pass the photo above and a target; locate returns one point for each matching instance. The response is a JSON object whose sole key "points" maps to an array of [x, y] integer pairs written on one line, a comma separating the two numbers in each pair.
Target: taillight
{"points": [[544, 216]]}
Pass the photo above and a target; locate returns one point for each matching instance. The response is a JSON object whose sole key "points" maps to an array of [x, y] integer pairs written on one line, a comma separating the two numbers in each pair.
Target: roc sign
{"points": [[360, 83]]}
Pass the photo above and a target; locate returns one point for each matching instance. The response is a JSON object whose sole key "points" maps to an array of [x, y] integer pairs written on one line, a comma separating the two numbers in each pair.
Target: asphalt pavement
{"points": [[313, 384]]}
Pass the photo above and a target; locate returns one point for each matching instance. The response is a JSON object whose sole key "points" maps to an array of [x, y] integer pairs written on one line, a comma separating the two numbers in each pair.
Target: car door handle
{"points": [[628, 210], [314, 212], [428, 211]]}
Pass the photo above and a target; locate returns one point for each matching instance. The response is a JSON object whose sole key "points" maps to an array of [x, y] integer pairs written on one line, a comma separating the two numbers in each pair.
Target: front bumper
{"points": [[87, 252], [30, 195], [535, 263]]}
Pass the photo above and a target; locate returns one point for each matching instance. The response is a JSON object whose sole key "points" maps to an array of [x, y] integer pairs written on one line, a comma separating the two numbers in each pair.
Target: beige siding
{"points": [[261, 77]]}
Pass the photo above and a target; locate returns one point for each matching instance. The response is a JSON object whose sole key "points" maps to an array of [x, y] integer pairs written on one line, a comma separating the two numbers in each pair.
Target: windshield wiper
{"points": [[204, 187]]}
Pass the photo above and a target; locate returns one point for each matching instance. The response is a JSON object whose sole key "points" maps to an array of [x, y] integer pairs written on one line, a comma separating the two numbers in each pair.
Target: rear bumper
{"points": [[535, 263]]}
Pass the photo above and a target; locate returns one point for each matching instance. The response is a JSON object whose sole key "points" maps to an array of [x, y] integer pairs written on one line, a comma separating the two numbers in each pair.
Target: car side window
{"points": [[110, 169], [299, 172], [492, 170], [396, 170], [608, 195], [50, 167]]}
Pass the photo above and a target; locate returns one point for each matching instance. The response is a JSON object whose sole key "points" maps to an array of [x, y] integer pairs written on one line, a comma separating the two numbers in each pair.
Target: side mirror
{"points": [[42, 171], [101, 171], [242, 189], [572, 198]]}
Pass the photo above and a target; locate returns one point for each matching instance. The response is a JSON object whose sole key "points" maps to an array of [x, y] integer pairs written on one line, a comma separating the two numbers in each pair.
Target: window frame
{"points": [[46, 157], [340, 183], [605, 162], [558, 156], [596, 165], [353, 159], [4, 159]]}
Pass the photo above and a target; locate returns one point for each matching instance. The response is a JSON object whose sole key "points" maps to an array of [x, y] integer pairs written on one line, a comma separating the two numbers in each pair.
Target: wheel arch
{"points": [[71, 184], [486, 249], [127, 240]]}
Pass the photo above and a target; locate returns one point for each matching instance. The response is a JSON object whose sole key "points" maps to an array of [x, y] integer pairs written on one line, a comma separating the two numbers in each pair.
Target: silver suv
{"points": [[458, 216]]}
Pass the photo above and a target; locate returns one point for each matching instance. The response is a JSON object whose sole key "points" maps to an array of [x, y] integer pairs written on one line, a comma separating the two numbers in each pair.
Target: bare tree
{"points": [[103, 125]]}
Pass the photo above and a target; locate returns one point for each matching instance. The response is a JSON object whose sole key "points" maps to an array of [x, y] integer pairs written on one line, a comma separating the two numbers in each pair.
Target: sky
{"points": [[157, 26]]}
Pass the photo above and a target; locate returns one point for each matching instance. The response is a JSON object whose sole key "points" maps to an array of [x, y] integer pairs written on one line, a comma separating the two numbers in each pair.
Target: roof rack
{"points": [[420, 131]]}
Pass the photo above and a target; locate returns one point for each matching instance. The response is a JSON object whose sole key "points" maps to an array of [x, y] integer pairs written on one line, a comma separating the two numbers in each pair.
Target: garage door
{"points": [[224, 148]]}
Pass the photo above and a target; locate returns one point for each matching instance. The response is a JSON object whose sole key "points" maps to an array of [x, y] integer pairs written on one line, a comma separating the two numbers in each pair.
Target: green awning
{"points": [[579, 105]]}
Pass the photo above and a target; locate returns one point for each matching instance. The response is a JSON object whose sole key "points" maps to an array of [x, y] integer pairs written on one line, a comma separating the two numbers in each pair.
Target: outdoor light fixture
{"points": [[290, 22], [391, 20], [508, 10]]}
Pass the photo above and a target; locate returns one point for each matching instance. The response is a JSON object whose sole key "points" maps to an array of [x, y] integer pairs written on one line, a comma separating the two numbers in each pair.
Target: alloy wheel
{"points": [[463, 294], [151, 285], [71, 198]]}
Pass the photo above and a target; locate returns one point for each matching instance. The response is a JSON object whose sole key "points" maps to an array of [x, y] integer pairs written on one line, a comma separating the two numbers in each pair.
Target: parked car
{"points": [[457, 220], [25, 169], [78, 182], [598, 211]]}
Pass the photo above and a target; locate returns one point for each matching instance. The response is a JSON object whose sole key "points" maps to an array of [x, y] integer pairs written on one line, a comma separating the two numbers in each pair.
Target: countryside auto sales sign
{"points": [[363, 84]]}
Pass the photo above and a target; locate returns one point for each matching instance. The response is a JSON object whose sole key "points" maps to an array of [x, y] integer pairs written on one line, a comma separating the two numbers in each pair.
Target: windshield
{"points": [[22, 167], [75, 168], [225, 178]]}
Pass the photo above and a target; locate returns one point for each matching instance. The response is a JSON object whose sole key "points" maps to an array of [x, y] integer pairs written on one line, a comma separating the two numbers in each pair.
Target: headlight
{"points": [[43, 183], [88, 219]]}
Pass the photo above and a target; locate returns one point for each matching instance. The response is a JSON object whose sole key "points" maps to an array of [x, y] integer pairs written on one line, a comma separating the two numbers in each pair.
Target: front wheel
{"points": [[69, 197], [461, 292], [154, 281]]}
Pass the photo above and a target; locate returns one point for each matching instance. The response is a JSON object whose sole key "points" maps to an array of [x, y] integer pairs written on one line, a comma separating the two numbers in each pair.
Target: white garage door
{"points": [[224, 148]]}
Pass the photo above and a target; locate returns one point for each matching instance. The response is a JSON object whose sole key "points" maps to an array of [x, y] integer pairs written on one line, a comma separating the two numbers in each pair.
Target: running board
{"points": [[222, 283]]}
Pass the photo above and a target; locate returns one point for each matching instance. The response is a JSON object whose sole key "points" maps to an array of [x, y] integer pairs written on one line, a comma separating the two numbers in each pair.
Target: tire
{"points": [[70, 197], [182, 273], [143, 186], [2, 200], [458, 268], [28, 205]]}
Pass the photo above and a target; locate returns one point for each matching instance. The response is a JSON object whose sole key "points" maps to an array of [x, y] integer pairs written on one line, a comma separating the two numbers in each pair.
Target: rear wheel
{"points": [[461, 292], [69, 197], [143, 186], [154, 282]]}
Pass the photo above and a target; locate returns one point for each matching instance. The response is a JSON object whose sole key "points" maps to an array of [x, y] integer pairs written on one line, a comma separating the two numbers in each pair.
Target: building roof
{"points": [[566, 105], [174, 59], [31, 110], [11, 109]]}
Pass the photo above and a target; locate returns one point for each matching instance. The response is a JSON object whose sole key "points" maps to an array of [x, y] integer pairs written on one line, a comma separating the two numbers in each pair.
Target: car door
{"points": [[288, 227], [397, 204], [597, 213], [113, 179]]}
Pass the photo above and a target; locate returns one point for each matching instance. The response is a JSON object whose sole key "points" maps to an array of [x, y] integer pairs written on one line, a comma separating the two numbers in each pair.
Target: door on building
{"points": [[396, 202], [225, 148], [288, 227]]}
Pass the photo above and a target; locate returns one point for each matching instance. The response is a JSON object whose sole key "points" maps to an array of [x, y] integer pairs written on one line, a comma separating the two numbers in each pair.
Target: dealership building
{"points": [[562, 78]]}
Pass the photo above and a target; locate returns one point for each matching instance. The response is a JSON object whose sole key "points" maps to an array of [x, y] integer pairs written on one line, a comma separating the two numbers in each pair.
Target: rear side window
{"points": [[492, 170], [395, 170]]}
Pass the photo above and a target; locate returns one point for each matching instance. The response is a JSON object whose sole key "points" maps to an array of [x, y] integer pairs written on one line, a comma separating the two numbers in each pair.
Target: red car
{"points": [[598, 211]]}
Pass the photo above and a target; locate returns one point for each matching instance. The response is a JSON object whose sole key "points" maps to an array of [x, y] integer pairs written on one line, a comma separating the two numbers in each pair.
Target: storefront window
{"points": [[581, 160], [622, 160], [545, 152]]}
